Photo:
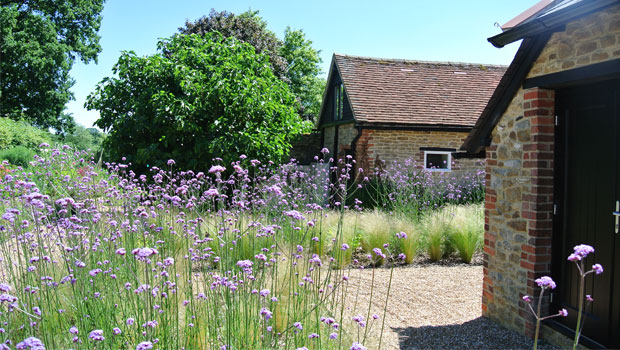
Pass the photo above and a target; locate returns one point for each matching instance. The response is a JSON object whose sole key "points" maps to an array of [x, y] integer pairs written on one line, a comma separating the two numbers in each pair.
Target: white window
{"points": [[437, 160]]}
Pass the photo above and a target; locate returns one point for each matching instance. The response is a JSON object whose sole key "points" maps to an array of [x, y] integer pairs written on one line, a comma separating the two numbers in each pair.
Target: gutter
{"points": [[552, 21]]}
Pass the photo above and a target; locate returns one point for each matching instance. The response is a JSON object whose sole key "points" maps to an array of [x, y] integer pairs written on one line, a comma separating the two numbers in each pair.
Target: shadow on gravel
{"points": [[479, 333]]}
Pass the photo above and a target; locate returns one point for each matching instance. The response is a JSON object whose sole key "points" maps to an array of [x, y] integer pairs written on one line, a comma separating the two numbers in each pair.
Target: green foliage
{"points": [[293, 59], [20, 133], [436, 229], [468, 231], [409, 246], [200, 97], [18, 155], [247, 27], [85, 139], [39, 41], [303, 71]]}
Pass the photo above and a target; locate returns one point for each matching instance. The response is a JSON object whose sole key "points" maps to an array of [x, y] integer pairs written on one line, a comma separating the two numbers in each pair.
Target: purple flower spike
{"points": [[216, 169], [145, 345], [357, 346], [96, 335], [574, 257], [589, 298], [597, 268], [527, 299], [563, 313], [583, 250], [545, 282], [31, 343]]}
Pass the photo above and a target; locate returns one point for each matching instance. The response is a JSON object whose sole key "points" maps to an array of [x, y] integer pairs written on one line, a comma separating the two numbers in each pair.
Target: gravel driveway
{"points": [[430, 307]]}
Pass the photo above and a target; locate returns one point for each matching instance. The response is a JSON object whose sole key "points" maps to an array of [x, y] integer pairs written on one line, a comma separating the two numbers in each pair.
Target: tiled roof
{"points": [[414, 92]]}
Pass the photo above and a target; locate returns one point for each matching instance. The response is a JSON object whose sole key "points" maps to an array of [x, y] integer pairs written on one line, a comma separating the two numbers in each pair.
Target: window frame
{"points": [[449, 162], [338, 102]]}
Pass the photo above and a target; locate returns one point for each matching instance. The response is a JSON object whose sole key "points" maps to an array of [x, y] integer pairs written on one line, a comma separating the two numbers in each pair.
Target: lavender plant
{"points": [[544, 283], [406, 188], [580, 252], [97, 258]]}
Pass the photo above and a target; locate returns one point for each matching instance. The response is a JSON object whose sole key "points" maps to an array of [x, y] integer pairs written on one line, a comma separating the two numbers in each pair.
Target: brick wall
{"points": [[377, 146], [519, 173]]}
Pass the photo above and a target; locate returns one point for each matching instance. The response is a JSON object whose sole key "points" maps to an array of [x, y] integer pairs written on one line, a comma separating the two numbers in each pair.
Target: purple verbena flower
{"points": [[145, 345], [357, 346], [545, 282], [583, 250], [96, 335], [31, 343]]}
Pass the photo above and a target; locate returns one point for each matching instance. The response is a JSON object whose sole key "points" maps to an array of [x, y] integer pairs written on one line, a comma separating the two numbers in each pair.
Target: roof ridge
{"points": [[401, 60]]}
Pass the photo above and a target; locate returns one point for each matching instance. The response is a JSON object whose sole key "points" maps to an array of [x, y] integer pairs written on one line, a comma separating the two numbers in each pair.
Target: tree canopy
{"points": [[199, 97], [293, 59], [39, 41]]}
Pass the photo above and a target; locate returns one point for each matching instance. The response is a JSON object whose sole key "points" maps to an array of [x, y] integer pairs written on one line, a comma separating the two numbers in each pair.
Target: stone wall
{"points": [[346, 134], [329, 133], [518, 207], [591, 39], [376, 147], [519, 173], [304, 147]]}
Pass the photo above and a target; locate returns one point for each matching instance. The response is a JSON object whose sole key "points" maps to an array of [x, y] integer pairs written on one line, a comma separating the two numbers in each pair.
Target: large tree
{"points": [[39, 41], [303, 71], [200, 97], [293, 60]]}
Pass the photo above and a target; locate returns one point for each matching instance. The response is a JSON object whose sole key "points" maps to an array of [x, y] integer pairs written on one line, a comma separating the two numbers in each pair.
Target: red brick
{"points": [[542, 129], [541, 155], [542, 138], [535, 94], [539, 111], [547, 103]]}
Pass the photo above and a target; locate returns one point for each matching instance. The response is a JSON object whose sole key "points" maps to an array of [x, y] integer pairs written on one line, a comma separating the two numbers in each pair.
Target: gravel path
{"points": [[430, 307]]}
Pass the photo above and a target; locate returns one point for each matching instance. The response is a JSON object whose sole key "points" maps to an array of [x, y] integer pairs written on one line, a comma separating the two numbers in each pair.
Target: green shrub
{"points": [[20, 133], [18, 155], [409, 246], [436, 229], [468, 231], [376, 231]]}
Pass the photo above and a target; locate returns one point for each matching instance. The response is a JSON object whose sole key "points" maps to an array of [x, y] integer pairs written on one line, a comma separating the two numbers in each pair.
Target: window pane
{"points": [[336, 102], [340, 101], [437, 161]]}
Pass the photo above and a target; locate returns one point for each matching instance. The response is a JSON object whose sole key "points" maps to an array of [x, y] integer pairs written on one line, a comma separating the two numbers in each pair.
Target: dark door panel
{"points": [[587, 141]]}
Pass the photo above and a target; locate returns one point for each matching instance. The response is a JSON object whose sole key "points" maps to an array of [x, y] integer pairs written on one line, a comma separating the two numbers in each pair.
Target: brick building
{"points": [[386, 110], [551, 132]]}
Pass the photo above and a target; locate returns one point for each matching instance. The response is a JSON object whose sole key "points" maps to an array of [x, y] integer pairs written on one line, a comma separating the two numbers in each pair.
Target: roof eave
{"points": [[554, 21]]}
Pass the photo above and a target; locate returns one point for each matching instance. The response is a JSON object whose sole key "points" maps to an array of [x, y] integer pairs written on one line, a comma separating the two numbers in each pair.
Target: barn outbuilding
{"points": [[381, 111]]}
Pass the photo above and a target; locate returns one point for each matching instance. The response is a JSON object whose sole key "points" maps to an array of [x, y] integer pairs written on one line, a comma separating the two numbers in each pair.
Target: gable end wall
{"points": [[519, 170]]}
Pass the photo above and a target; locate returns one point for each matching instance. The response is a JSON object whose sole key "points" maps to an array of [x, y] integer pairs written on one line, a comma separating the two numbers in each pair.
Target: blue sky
{"points": [[430, 30]]}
